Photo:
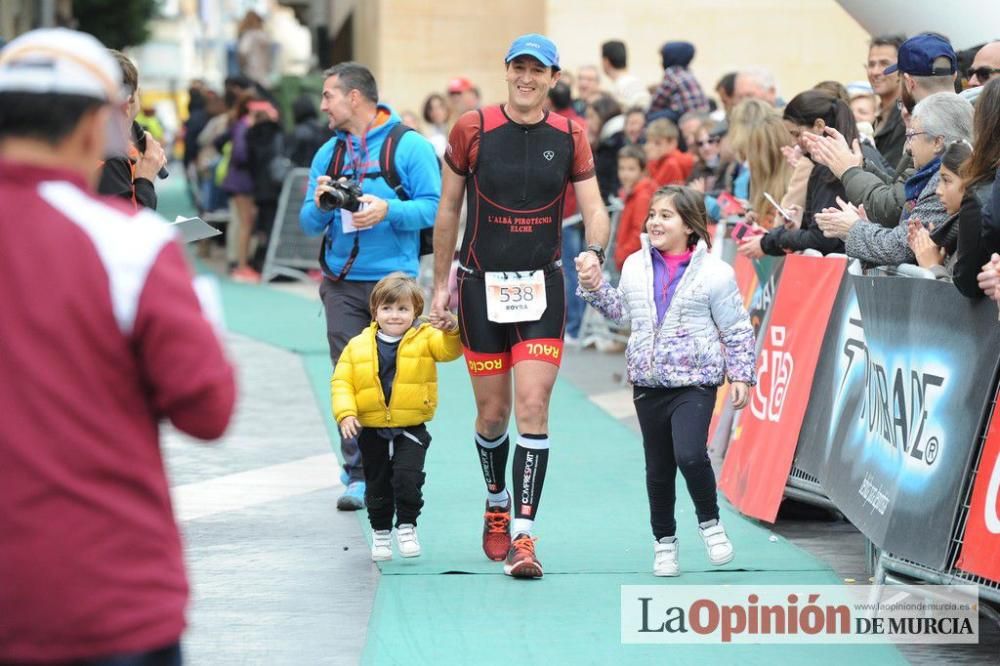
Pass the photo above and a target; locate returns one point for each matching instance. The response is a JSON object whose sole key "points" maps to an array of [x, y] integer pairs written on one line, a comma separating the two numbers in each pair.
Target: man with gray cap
{"points": [[103, 338]]}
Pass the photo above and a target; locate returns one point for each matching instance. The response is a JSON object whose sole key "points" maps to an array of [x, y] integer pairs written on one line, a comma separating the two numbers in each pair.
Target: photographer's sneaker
{"points": [[381, 545], [406, 539], [353, 498], [665, 557], [720, 549], [496, 531]]}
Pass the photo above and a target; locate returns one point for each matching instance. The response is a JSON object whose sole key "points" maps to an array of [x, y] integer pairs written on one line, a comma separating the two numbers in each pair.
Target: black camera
{"points": [[139, 139], [345, 195]]}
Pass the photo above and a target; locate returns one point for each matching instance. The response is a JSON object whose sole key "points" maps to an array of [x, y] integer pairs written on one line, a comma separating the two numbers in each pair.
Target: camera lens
{"points": [[330, 200]]}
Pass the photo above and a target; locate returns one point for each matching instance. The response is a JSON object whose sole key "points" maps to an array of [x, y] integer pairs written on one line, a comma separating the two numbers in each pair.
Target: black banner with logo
{"points": [[904, 379]]}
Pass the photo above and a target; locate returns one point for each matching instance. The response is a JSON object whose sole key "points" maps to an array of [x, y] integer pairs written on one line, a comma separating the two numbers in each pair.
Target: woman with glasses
{"points": [[706, 150], [937, 121]]}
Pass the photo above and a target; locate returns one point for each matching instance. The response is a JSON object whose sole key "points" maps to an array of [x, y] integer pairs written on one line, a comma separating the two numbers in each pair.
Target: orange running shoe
{"points": [[521, 561], [496, 531]]}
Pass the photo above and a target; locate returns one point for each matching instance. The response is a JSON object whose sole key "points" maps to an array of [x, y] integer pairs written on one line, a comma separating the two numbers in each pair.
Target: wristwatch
{"points": [[599, 251]]}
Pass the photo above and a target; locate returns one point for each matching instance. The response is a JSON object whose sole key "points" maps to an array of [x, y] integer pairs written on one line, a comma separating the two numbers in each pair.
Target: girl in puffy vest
{"points": [[690, 332], [384, 391]]}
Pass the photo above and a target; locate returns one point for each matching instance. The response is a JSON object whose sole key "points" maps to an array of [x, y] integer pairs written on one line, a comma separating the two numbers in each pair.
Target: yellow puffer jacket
{"points": [[357, 391]]}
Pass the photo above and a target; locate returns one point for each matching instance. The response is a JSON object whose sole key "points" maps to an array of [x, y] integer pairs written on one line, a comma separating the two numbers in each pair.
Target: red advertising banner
{"points": [[763, 445], [980, 552]]}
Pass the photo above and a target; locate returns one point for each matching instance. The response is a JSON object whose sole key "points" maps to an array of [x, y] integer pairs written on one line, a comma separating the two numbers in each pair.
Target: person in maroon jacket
{"points": [[102, 337]]}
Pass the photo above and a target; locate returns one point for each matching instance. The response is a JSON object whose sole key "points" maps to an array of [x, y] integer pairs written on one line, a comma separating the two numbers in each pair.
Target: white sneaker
{"points": [[406, 539], [665, 559], [720, 549], [381, 545]]}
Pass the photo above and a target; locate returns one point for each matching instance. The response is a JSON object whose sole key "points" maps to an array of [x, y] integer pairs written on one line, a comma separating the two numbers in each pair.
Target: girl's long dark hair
{"points": [[690, 205], [955, 155], [986, 128]]}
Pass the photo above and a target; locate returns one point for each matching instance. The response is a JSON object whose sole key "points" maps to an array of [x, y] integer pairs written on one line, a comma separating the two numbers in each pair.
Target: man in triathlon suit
{"points": [[515, 161]]}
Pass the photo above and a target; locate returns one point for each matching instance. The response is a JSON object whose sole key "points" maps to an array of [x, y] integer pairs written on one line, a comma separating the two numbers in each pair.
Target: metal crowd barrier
{"points": [[886, 567], [888, 564]]}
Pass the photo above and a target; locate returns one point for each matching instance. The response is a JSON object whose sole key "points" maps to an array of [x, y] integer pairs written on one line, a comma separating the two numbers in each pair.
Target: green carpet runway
{"points": [[593, 536], [453, 606]]}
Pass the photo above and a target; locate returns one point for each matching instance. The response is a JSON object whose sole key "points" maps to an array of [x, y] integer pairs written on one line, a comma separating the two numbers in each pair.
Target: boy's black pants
{"points": [[394, 484]]}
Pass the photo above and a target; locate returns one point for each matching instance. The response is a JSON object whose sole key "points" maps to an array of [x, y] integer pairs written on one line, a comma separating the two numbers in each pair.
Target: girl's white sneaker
{"points": [[381, 545], [720, 549], [406, 539], [665, 558]]}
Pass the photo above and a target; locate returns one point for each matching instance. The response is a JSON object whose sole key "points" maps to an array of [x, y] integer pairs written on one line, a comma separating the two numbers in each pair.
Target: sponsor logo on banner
{"points": [[990, 514], [775, 372], [896, 411], [980, 553], [892, 425]]}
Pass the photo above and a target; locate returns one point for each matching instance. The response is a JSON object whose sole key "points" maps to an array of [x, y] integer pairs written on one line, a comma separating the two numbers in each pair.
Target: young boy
{"points": [[667, 165], [384, 390], [637, 190]]}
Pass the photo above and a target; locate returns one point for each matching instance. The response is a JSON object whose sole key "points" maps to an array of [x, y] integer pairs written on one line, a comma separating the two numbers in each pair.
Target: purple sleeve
{"points": [[241, 152]]}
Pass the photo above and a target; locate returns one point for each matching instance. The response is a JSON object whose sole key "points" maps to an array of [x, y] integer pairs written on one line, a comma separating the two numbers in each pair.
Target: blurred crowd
{"points": [[897, 168]]}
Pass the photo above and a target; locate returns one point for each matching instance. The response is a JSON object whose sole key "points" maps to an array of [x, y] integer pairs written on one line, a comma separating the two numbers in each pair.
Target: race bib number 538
{"points": [[514, 297]]}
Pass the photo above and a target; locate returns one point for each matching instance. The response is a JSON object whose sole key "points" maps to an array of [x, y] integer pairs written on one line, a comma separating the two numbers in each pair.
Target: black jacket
{"points": [[116, 180], [890, 137], [977, 238], [306, 139], [822, 191], [606, 164], [265, 143]]}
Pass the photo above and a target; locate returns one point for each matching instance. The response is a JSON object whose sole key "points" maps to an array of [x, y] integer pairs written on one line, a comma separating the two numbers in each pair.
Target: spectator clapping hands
{"points": [[989, 278], [927, 252], [837, 223], [833, 152]]}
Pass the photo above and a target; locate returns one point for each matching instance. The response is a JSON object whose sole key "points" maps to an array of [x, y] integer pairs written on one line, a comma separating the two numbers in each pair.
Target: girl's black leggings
{"points": [[674, 423]]}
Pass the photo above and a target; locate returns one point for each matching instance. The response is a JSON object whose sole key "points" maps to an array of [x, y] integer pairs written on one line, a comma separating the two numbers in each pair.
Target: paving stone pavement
{"points": [[288, 581]]}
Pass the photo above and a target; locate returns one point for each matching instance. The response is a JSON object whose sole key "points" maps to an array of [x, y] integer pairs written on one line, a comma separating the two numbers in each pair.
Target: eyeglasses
{"points": [[707, 142], [909, 135], [982, 73]]}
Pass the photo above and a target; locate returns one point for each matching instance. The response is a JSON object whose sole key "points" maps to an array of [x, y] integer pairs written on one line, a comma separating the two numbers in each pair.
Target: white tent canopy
{"points": [[966, 23]]}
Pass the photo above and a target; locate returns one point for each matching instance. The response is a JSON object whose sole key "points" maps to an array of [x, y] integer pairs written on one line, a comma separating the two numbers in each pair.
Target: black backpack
{"points": [[387, 171]]}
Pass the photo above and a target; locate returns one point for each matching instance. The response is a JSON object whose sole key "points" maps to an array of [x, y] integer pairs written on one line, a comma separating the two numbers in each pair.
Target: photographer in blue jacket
{"points": [[373, 188]]}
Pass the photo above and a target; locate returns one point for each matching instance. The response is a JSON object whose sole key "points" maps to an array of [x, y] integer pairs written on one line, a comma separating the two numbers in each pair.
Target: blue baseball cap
{"points": [[917, 55], [537, 46]]}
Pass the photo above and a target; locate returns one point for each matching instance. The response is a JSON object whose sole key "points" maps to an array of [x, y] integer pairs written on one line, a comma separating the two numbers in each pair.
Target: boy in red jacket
{"points": [[637, 190], [667, 164]]}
